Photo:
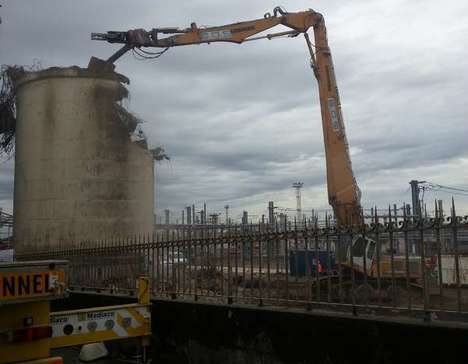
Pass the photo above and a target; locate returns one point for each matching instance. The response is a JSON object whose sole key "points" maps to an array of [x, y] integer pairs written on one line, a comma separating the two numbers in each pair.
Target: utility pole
{"points": [[201, 217], [271, 212], [226, 209], [166, 216], [440, 208], [283, 220], [189, 215], [417, 213], [245, 218], [298, 186]]}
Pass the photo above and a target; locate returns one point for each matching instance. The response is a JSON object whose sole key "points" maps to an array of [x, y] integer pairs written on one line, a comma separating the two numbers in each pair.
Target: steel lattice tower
{"points": [[298, 186]]}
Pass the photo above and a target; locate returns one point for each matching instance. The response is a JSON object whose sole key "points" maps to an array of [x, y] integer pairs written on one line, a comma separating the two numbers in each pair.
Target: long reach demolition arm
{"points": [[343, 192]]}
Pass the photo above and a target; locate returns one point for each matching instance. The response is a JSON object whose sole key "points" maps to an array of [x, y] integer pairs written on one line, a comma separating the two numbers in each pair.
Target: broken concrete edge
{"points": [[23, 76], [20, 76], [99, 65]]}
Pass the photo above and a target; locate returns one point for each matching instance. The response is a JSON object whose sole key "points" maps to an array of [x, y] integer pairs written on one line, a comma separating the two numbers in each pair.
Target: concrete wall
{"points": [[78, 176], [196, 333], [191, 333]]}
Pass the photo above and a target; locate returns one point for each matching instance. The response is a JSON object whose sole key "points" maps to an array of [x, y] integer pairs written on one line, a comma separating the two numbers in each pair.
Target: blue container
{"points": [[304, 262]]}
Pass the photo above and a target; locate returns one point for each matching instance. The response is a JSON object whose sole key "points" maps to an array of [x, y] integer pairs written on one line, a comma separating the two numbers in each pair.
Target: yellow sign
{"points": [[24, 285], [99, 324]]}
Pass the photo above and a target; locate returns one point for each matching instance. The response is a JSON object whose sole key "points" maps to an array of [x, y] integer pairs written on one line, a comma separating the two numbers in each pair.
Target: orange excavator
{"points": [[361, 253], [343, 192]]}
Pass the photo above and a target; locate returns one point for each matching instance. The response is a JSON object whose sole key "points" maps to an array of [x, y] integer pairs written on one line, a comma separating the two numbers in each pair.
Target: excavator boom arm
{"points": [[343, 192], [299, 22]]}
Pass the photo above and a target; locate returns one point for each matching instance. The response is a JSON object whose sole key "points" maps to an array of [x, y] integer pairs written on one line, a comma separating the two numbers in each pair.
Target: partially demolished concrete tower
{"points": [[79, 176]]}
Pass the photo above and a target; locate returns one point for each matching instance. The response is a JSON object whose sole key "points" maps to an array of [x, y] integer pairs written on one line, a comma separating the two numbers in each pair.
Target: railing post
{"points": [[392, 257], [378, 253], [454, 222], [422, 254], [143, 290], [317, 263]]}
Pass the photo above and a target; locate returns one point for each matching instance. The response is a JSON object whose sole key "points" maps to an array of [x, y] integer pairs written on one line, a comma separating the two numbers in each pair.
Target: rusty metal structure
{"points": [[416, 267]]}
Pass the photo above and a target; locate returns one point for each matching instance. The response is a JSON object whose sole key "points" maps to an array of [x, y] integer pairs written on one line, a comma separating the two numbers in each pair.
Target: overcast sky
{"points": [[242, 122]]}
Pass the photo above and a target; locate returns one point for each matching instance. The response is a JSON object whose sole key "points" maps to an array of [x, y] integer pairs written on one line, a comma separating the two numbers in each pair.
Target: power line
{"points": [[447, 189], [450, 192]]}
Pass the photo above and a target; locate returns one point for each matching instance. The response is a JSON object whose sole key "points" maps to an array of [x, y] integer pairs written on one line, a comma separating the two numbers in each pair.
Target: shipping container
{"points": [[304, 262]]}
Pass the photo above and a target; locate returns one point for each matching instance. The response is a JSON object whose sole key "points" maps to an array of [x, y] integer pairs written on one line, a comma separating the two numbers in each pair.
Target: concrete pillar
{"points": [[78, 174]]}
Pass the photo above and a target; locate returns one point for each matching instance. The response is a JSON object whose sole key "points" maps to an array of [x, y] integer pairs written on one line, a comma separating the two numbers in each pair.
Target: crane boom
{"points": [[343, 192]]}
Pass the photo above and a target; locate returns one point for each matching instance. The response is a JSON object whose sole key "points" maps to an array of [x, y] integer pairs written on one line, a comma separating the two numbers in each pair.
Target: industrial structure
{"points": [[297, 187], [78, 174]]}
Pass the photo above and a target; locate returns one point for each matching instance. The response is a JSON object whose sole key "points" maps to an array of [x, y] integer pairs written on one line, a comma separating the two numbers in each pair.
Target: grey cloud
{"points": [[242, 122]]}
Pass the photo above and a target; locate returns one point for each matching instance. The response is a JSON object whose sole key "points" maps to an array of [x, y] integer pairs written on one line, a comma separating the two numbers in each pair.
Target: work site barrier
{"points": [[400, 265]]}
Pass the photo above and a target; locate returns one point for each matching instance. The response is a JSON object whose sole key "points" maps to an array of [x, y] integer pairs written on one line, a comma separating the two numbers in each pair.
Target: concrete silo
{"points": [[78, 174]]}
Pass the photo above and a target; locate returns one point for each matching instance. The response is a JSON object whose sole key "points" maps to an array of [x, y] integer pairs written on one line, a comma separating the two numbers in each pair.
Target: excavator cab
{"points": [[363, 250]]}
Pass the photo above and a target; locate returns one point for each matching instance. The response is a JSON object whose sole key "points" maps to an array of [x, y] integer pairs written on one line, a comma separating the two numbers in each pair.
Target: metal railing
{"points": [[402, 265]]}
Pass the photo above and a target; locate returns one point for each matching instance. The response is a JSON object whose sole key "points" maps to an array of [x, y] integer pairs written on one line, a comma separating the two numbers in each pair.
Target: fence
{"points": [[404, 265]]}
